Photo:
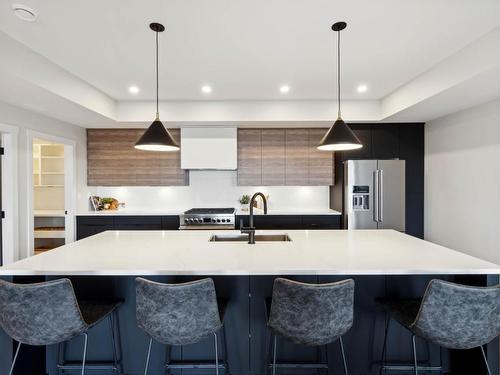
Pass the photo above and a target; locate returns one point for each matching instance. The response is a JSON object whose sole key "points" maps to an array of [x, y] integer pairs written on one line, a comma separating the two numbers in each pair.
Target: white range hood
{"points": [[209, 148]]}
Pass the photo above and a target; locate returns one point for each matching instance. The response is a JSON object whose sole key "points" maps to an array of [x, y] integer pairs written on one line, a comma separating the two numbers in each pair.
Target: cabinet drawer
{"points": [[87, 226], [138, 223], [321, 221], [170, 222]]}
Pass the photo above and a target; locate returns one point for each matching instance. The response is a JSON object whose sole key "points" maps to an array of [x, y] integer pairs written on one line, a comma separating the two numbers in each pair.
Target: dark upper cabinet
{"points": [[385, 141], [364, 133], [411, 149]]}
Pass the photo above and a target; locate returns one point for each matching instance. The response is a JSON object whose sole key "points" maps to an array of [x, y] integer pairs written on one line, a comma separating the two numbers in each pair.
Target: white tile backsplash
{"points": [[213, 189]]}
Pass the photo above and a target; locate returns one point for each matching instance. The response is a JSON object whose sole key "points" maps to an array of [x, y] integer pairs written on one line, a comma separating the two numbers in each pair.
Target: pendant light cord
{"points": [[338, 74], [157, 110]]}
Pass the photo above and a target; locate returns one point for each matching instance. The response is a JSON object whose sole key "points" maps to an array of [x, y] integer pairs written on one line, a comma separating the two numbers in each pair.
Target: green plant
{"points": [[107, 200], [245, 199]]}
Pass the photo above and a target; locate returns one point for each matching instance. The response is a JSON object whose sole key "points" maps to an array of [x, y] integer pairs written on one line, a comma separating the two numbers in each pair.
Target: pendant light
{"points": [[157, 137], [339, 137]]}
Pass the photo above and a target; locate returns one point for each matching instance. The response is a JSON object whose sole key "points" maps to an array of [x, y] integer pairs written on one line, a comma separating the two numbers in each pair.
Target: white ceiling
{"points": [[246, 49]]}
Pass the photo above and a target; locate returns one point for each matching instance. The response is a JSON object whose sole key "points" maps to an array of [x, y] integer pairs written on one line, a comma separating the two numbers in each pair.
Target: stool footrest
{"points": [[300, 365], [89, 365], [193, 365], [410, 367]]}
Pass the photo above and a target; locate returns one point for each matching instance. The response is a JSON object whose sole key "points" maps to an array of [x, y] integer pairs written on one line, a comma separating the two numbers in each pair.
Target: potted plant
{"points": [[244, 201]]}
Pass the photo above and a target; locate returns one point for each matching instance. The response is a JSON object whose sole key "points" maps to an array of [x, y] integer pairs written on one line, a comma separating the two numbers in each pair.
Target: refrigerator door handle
{"points": [[381, 195], [375, 195]]}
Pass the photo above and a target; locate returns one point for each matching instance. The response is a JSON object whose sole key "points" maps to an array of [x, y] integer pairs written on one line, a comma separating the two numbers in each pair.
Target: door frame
{"points": [[10, 199], [70, 191]]}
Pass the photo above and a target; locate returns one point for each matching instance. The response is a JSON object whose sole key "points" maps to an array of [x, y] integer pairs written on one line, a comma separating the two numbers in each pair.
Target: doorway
{"points": [[53, 193]]}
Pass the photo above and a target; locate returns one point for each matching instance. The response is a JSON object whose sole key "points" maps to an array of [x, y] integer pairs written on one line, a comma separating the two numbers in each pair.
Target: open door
{"points": [[54, 194]]}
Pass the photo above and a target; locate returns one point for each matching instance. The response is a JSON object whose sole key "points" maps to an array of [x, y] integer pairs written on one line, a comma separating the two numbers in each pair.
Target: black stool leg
{"points": [[15, 358], [116, 360], [216, 354], [168, 359], [485, 360], [343, 356], [85, 338], [274, 355], [384, 347], [149, 355], [414, 344], [226, 356]]}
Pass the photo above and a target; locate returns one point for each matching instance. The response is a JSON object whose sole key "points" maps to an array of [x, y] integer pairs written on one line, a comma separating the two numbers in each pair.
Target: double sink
{"points": [[280, 237]]}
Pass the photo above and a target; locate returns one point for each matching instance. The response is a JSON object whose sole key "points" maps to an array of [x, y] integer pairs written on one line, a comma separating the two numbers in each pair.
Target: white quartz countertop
{"points": [[179, 211], [311, 252], [126, 212], [258, 211]]}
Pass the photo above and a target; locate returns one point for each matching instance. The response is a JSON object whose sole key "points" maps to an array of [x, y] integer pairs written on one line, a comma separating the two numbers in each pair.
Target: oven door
{"points": [[207, 227]]}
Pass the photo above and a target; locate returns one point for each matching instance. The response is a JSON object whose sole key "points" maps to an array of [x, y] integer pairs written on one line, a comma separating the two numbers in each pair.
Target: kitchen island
{"points": [[382, 262]]}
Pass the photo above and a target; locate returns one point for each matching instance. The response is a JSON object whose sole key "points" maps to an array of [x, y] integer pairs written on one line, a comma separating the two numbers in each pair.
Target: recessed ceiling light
{"points": [[285, 89], [362, 89], [133, 90], [24, 12], [206, 89]]}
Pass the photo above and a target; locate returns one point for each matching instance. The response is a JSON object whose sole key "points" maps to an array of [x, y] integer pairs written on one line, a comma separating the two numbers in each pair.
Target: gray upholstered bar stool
{"points": [[181, 314], [48, 313], [310, 314], [450, 315]]}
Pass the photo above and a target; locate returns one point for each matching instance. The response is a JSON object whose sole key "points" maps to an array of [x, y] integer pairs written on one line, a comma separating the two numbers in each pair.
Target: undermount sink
{"points": [[280, 237]]}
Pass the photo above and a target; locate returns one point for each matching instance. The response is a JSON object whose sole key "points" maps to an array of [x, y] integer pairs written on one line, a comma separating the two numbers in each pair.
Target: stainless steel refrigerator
{"points": [[374, 194]]}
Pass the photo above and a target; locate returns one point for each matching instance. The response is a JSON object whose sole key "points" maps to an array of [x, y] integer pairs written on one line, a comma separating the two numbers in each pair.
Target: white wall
{"points": [[25, 120], [462, 181], [214, 189]]}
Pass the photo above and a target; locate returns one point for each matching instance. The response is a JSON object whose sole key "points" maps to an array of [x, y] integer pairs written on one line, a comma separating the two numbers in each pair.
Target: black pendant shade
{"points": [[157, 137], [339, 137]]}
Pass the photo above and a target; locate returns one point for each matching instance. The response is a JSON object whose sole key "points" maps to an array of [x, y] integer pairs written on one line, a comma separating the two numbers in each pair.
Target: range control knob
{"points": [[218, 220], [223, 220], [186, 220]]}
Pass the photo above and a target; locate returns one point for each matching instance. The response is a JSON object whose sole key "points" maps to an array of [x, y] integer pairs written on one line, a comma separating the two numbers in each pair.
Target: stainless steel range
{"points": [[208, 218]]}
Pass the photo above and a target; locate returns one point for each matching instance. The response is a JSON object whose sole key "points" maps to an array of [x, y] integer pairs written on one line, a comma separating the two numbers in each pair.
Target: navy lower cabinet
{"points": [[87, 226], [138, 223], [291, 221], [93, 224]]}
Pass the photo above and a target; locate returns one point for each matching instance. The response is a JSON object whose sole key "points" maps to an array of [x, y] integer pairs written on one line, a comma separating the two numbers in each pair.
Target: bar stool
{"points": [[450, 315], [181, 314], [48, 313], [310, 314]]}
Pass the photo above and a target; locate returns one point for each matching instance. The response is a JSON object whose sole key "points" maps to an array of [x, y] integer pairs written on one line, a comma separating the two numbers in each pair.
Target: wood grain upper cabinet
{"points": [[282, 157], [297, 157], [112, 160], [273, 156], [320, 162], [249, 157]]}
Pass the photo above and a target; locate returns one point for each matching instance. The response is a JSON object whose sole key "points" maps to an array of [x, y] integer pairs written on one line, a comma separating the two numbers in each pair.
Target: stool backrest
{"points": [[311, 314], [177, 314], [40, 314], [458, 316]]}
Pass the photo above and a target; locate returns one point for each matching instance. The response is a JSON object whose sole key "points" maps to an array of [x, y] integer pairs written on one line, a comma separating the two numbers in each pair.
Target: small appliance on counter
{"points": [[208, 218], [104, 204]]}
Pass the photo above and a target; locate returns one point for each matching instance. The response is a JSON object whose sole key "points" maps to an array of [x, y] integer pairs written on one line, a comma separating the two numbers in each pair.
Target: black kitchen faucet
{"points": [[250, 230]]}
